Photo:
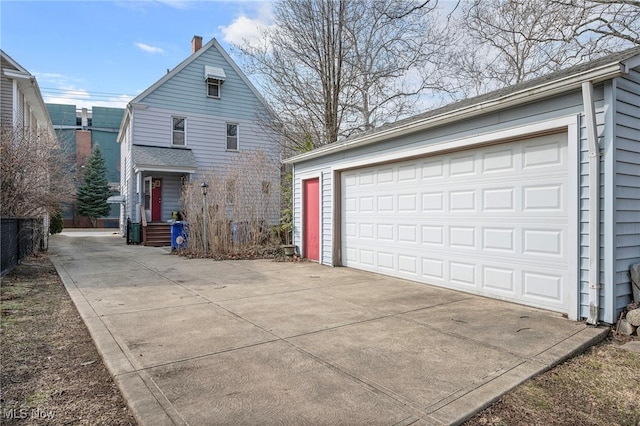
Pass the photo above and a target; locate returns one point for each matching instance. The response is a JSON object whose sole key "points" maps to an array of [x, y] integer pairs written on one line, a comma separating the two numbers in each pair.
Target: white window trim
{"points": [[216, 82], [184, 132]]}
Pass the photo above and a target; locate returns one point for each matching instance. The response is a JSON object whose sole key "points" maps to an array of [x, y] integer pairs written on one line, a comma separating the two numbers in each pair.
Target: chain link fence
{"points": [[20, 238]]}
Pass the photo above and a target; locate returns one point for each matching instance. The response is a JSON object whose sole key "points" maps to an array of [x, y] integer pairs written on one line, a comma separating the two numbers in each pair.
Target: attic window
{"points": [[213, 88], [214, 77]]}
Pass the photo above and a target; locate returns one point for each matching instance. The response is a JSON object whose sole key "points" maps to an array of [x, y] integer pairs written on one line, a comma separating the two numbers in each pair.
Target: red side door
{"points": [[156, 200], [311, 219]]}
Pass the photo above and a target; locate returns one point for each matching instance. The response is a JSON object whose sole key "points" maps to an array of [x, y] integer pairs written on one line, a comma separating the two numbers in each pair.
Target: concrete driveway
{"points": [[204, 342]]}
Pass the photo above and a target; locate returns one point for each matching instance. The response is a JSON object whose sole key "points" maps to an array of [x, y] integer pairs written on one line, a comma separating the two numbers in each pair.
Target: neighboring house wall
{"points": [[6, 100], [127, 185], [22, 106]]}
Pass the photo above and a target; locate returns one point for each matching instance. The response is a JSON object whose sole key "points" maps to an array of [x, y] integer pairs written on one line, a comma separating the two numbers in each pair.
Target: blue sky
{"points": [[102, 53]]}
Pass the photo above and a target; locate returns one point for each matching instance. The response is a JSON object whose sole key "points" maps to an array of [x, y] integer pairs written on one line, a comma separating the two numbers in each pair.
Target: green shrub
{"points": [[56, 225]]}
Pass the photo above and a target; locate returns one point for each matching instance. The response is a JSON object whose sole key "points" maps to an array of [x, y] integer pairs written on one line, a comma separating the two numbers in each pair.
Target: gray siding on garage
{"points": [[627, 185], [326, 219], [324, 174], [583, 218]]}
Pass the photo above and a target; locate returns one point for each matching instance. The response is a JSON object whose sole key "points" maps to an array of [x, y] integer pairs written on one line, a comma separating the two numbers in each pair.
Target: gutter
{"points": [[594, 201]]}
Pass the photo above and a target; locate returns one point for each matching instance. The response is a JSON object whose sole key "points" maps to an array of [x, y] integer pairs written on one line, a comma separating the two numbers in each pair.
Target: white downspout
{"points": [[594, 202]]}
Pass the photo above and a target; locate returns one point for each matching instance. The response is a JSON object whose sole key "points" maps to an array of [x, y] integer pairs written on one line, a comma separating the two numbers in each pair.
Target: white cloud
{"points": [[149, 49], [245, 29], [81, 98]]}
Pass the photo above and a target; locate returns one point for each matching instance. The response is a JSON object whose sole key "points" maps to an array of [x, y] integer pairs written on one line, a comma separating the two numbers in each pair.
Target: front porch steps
{"points": [[157, 234]]}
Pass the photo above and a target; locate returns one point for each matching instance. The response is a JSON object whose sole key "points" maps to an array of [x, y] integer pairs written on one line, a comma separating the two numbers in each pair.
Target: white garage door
{"points": [[491, 220]]}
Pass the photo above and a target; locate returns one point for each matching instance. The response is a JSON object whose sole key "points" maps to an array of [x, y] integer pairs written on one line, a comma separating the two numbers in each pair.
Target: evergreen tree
{"points": [[94, 191]]}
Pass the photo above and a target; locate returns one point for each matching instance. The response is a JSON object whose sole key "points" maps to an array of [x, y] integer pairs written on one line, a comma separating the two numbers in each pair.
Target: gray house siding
{"points": [[205, 134], [127, 184], [6, 100], [186, 91], [627, 185]]}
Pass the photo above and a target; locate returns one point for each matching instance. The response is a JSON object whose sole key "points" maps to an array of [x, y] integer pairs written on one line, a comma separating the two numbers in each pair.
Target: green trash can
{"points": [[135, 233]]}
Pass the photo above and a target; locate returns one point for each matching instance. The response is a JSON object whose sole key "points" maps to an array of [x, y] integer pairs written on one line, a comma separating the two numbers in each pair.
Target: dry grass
{"points": [[598, 387], [51, 370]]}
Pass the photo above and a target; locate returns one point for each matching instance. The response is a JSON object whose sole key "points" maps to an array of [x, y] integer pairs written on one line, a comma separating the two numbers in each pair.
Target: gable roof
{"points": [[595, 71], [213, 43]]}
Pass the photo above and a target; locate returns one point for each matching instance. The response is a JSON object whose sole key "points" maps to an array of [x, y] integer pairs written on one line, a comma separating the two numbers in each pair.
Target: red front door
{"points": [[311, 219], [156, 200]]}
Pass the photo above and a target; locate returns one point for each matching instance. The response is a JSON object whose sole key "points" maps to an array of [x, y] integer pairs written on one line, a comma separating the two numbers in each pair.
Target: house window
{"points": [[232, 137], [177, 137], [213, 88]]}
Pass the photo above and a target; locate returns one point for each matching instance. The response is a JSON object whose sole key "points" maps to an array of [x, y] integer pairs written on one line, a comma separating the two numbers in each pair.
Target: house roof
{"points": [[28, 86], [563, 81], [213, 43], [154, 158]]}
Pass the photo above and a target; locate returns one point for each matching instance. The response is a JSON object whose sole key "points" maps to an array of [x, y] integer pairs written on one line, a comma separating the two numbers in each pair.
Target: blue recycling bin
{"points": [[179, 233]]}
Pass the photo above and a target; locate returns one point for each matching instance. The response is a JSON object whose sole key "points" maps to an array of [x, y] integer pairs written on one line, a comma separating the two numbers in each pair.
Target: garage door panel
{"points": [[499, 279], [500, 240], [491, 220], [462, 165], [543, 242], [545, 154], [498, 160], [546, 287]]}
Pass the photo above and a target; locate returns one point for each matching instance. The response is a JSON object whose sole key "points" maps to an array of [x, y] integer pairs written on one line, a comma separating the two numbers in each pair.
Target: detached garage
{"points": [[491, 195]]}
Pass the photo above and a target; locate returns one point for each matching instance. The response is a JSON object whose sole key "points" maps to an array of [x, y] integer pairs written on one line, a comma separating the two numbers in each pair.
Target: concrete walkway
{"points": [[201, 342]]}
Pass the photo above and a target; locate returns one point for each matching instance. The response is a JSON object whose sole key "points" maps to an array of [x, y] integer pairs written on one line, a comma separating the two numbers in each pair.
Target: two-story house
{"points": [[23, 112], [200, 116]]}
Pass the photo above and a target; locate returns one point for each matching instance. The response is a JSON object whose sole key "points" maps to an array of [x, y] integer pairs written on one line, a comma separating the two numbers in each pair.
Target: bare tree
{"points": [[606, 24], [393, 51], [504, 42], [242, 203], [36, 177], [332, 67]]}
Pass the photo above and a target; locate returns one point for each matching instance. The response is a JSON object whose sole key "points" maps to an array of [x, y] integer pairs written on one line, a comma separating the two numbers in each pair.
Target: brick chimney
{"points": [[196, 44]]}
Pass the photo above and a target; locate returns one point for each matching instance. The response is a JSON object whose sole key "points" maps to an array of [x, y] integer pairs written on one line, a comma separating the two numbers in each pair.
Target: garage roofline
{"points": [[568, 80]]}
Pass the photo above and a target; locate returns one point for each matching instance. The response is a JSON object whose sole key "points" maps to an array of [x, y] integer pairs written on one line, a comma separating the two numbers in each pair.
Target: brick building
{"points": [[78, 130]]}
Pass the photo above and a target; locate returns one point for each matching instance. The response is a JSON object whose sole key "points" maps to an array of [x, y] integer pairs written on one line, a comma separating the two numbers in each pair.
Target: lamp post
{"points": [[203, 187]]}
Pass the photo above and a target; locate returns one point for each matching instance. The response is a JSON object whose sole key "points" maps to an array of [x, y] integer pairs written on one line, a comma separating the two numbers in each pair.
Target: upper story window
{"points": [[232, 137], [178, 131], [214, 77], [213, 88]]}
